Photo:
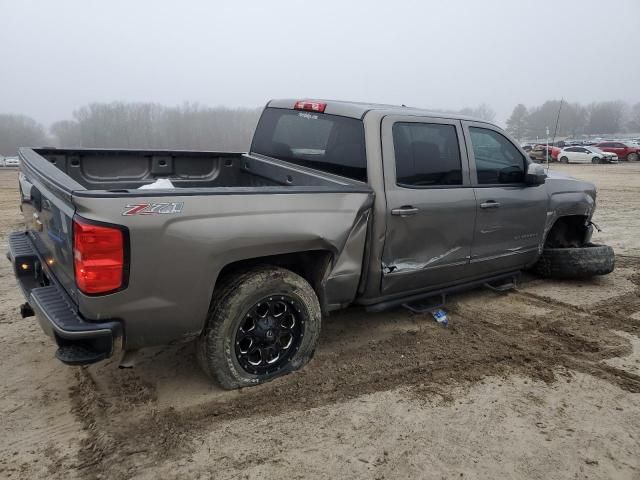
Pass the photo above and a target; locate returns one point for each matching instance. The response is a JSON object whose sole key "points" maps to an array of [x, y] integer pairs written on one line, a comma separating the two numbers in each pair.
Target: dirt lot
{"points": [[539, 383]]}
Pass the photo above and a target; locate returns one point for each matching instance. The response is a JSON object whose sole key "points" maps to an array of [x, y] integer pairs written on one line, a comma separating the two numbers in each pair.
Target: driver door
{"points": [[511, 215]]}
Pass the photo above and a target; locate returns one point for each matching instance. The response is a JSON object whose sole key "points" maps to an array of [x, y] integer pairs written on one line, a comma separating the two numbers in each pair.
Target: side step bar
{"points": [[379, 307]]}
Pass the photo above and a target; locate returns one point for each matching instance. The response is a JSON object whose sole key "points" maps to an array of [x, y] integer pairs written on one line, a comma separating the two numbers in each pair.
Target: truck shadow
{"points": [[170, 376]]}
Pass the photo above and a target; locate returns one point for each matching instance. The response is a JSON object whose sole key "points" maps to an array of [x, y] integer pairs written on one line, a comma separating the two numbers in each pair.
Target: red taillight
{"points": [[98, 257], [310, 106]]}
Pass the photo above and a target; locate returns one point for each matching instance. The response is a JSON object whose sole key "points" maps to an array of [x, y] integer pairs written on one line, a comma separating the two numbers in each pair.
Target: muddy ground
{"points": [[541, 383]]}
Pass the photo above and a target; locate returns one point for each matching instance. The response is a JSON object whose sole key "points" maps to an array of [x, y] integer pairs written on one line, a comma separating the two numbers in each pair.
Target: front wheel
{"points": [[263, 323], [564, 160], [632, 157], [595, 160], [582, 262]]}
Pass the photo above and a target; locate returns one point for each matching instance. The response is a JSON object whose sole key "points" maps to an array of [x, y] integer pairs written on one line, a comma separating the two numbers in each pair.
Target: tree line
{"points": [[136, 125], [574, 120], [195, 127]]}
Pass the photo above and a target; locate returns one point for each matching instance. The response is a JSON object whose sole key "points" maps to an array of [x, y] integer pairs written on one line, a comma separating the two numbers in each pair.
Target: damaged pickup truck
{"points": [[335, 204]]}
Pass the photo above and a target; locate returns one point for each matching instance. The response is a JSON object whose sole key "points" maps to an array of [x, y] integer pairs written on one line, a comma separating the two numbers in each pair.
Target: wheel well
{"points": [[570, 231], [310, 265]]}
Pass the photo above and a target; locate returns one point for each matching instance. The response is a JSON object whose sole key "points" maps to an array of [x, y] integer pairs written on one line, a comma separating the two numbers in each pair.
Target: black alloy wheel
{"points": [[269, 335]]}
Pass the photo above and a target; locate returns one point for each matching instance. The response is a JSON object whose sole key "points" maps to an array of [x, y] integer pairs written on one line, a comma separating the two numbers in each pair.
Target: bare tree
{"points": [[517, 123], [633, 124], [606, 117], [19, 131], [149, 125], [482, 111]]}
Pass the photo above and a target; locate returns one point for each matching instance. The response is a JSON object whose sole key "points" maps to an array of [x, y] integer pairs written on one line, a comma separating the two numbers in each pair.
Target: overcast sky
{"points": [[59, 55]]}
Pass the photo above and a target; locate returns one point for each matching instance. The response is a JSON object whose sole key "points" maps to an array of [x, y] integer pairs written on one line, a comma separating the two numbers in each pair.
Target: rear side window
{"points": [[497, 159], [330, 143], [427, 154]]}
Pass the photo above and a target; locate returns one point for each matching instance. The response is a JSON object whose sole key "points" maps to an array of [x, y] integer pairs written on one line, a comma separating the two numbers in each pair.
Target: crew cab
{"points": [[335, 204]]}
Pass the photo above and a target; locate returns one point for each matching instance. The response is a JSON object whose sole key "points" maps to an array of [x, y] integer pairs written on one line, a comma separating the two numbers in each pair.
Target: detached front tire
{"points": [[583, 262], [263, 323]]}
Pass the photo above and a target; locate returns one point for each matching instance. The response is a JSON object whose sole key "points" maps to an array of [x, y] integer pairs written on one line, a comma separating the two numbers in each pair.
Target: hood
{"points": [[560, 182], [554, 174]]}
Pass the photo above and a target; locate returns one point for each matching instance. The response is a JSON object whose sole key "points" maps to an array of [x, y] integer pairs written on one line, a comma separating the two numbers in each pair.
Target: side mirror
{"points": [[535, 174]]}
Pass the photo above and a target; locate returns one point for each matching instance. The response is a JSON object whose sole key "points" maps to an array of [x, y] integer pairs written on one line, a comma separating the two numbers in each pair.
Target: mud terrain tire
{"points": [[582, 262], [240, 292]]}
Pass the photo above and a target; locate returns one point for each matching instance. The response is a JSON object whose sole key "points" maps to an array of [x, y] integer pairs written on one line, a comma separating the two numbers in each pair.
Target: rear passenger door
{"points": [[430, 203], [510, 214]]}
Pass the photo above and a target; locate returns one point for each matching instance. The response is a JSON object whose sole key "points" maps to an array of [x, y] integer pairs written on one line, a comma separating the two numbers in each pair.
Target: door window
{"points": [[497, 159], [427, 154]]}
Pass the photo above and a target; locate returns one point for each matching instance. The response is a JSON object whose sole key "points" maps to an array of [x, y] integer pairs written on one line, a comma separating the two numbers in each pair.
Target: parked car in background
{"points": [[11, 162], [586, 155], [624, 150], [539, 153]]}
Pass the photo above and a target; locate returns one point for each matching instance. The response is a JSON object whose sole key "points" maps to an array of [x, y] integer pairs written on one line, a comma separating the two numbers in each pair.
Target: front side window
{"points": [[497, 159], [427, 154]]}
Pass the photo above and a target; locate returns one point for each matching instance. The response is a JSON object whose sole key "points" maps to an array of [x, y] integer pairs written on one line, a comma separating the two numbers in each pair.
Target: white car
{"points": [[586, 155], [11, 162]]}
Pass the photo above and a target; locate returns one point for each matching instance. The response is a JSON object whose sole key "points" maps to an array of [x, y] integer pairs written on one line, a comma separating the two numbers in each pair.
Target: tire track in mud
{"points": [[491, 338]]}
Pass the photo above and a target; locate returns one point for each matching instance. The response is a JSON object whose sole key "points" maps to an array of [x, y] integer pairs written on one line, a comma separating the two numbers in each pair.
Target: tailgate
{"points": [[48, 218]]}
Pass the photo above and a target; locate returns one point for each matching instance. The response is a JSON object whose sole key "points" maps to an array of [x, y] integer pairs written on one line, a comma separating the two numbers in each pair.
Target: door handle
{"points": [[404, 211], [490, 204]]}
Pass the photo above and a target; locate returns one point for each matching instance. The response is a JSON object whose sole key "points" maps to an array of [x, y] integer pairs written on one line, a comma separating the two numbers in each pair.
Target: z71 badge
{"points": [[152, 209]]}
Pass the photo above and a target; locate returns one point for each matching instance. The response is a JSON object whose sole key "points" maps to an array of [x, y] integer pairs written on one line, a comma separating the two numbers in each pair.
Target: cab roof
{"points": [[359, 109]]}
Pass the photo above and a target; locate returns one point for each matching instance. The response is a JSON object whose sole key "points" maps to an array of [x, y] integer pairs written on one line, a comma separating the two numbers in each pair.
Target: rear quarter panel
{"points": [[176, 258]]}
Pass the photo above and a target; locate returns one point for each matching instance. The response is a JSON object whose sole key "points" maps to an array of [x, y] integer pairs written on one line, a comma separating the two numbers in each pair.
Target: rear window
{"points": [[325, 142]]}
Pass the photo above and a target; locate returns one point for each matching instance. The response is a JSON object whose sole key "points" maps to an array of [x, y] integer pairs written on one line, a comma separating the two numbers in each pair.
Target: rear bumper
{"points": [[80, 342]]}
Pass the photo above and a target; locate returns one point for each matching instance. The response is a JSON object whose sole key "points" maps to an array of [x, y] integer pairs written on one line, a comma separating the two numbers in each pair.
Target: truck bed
{"points": [[226, 207], [125, 170]]}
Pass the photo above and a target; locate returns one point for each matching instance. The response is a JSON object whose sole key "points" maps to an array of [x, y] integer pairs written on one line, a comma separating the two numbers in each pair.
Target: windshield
{"points": [[594, 150], [330, 143]]}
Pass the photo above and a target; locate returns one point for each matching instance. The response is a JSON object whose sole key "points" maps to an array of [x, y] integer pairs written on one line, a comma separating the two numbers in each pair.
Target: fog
{"points": [[58, 56]]}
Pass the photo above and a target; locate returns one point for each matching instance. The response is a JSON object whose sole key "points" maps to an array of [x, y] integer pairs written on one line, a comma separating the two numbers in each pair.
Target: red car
{"points": [[539, 153], [624, 151]]}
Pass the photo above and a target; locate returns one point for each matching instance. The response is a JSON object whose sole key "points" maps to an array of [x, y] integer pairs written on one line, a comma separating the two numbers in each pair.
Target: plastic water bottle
{"points": [[441, 317]]}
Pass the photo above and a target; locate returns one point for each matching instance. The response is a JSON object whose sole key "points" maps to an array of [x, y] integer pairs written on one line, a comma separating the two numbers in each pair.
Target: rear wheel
{"points": [[583, 262], [632, 157], [263, 323], [595, 160], [564, 160]]}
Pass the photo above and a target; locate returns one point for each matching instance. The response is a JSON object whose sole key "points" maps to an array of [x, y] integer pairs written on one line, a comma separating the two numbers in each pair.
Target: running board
{"points": [[410, 299], [507, 286], [425, 306]]}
